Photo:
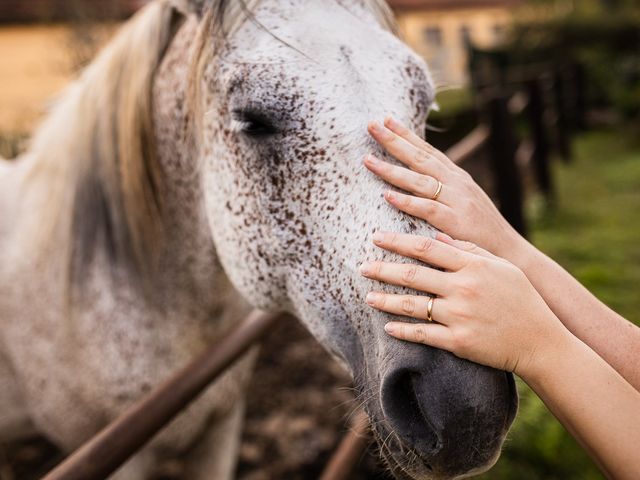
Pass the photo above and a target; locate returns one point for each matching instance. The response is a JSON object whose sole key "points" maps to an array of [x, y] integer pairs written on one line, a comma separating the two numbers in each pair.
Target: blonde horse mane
{"points": [[94, 155]]}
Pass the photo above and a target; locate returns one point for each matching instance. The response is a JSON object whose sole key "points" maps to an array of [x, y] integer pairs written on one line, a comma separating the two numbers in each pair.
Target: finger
{"points": [[410, 275], [436, 213], [416, 159], [432, 334], [399, 129], [443, 237], [465, 246], [425, 249], [414, 306], [414, 182]]}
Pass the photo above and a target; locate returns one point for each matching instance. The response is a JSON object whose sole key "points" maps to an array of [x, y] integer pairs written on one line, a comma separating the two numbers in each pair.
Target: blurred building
{"points": [[43, 43], [28, 11], [440, 29], [37, 59]]}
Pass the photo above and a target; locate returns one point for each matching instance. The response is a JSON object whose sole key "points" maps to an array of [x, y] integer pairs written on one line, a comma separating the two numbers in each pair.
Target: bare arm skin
{"points": [[487, 311], [465, 212]]}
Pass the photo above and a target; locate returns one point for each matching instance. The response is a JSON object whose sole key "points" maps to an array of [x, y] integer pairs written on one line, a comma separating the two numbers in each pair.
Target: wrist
{"points": [[548, 355], [520, 252]]}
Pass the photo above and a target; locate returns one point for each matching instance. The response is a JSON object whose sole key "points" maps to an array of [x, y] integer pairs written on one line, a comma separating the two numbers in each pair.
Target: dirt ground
{"points": [[299, 402], [298, 405]]}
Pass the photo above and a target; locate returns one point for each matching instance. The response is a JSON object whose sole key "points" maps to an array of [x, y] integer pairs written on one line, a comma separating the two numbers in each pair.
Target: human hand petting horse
{"points": [[486, 309], [532, 319]]}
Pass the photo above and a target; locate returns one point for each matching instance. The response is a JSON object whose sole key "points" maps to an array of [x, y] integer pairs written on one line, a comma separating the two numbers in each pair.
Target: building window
{"points": [[433, 36]]}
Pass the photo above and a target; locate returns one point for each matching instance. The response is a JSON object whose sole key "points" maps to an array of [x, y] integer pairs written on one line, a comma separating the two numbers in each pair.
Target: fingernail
{"points": [[391, 195], [365, 268], [378, 237], [376, 127], [442, 236], [393, 122], [389, 328], [372, 160], [372, 298]]}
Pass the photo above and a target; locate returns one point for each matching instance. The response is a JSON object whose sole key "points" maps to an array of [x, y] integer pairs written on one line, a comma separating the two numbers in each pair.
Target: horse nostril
{"points": [[403, 408]]}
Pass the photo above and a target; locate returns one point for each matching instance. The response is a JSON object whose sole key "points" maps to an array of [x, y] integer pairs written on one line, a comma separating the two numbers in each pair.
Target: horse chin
{"points": [[404, 463]]}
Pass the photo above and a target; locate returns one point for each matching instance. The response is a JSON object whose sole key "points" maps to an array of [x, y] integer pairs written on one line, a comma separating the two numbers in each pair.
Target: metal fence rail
{"points": [[118, 441], [350, 450]]}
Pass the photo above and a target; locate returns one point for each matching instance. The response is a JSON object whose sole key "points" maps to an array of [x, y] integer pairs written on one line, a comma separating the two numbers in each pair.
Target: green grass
{"points": [[594, 232]]}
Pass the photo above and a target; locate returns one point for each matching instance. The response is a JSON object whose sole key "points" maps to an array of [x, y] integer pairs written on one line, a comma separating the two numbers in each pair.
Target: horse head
{"points": [[281, 105]]}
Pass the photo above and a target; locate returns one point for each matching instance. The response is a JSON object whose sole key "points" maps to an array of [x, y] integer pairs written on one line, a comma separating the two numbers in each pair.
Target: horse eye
{"points": [[254, 124]]}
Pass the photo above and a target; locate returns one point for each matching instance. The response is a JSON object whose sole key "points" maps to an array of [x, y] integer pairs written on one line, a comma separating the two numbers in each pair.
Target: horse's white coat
{"points": [[280, 221]]}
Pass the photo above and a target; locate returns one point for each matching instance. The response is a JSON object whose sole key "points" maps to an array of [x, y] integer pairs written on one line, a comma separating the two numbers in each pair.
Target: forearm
{"points": [[614, 338], [599, 408]]}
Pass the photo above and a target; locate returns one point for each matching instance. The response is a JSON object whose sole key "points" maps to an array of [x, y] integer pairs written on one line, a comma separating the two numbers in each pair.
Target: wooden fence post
{"points": [[580, 95], [502, 147], [536, 113]]}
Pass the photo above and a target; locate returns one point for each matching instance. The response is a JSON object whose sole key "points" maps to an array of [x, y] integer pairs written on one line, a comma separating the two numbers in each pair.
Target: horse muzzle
{"points": [[443, 417]]}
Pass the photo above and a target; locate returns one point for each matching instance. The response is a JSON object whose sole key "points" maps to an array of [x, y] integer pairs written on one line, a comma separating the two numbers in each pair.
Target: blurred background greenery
{"points": [[593, 227], [594, 232]]}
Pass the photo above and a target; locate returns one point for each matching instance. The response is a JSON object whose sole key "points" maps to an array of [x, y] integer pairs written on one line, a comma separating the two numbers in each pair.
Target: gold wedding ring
{"points": [[438, 191], [430, 309]]}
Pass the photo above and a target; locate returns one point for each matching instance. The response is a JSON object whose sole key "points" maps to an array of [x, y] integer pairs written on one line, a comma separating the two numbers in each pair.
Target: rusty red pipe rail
{"points": [[118, 441], [350, 450]]}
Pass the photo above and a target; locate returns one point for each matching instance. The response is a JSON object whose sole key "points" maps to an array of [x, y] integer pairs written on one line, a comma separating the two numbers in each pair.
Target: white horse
{"points": [[209, 161]]}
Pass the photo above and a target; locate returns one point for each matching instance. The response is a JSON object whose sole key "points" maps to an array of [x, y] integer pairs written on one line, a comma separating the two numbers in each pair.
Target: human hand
{"points": [[485, 309], [462, 209]]}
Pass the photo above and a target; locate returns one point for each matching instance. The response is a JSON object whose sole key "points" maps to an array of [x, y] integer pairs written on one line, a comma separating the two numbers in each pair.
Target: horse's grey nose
{"points": [[452, 413], [403, 404]]}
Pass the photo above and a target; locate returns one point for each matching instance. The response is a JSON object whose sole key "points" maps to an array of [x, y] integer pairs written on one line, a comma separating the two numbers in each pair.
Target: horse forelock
{"points": [[224, 17]]}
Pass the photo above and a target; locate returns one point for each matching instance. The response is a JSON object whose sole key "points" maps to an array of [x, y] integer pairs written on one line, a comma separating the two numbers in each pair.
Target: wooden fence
{"points": [[550, 103]]}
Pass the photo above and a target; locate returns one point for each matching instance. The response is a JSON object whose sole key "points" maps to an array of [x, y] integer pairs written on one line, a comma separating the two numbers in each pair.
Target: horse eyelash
{"points": [[239, 126]]}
